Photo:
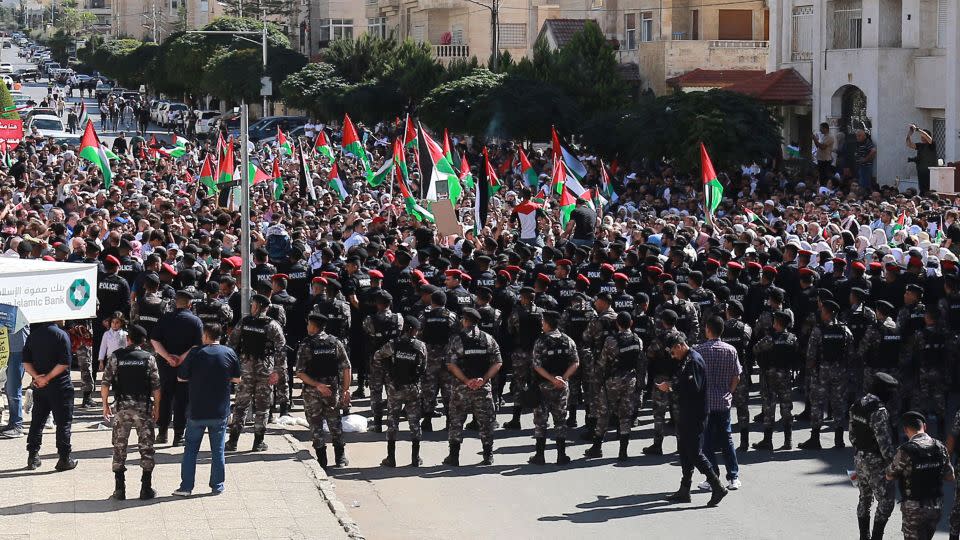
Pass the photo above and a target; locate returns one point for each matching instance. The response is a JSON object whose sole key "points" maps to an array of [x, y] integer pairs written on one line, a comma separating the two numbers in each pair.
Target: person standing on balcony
{"points": [[865, 155], [926, 156], [824, 143]]}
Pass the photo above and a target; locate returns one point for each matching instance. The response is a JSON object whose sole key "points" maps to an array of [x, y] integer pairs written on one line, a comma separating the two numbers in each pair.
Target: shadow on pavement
{"points": [[604, 509]]}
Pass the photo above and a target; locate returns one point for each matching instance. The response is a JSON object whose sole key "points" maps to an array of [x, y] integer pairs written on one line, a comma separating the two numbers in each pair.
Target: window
{"points": [[513, 35], [334, 29], [173, 5], [204, 6], [801, 43], [377, 26], [630, 31], [419, 33], [456, 36], [694, 24], [847, 24], [596, 4], [942, 7], [646, 26], [735, 24]]}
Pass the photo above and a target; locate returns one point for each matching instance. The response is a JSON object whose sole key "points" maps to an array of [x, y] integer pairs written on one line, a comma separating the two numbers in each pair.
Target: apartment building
{"points": [[154, 20], [883, 64]]}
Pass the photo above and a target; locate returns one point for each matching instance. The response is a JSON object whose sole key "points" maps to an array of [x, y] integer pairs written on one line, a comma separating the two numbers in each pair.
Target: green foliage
{"points": [[586, 69], [462, 105], [233, 74], [736, 129], [71, 20], [6, 102], [461, 67], [59, 44], [316, 88]]}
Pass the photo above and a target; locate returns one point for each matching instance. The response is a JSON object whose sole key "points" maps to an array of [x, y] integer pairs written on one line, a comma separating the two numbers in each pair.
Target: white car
{"points": [[6, 67], [170, 111], [205, 121], [47, 124], [7, 80]]}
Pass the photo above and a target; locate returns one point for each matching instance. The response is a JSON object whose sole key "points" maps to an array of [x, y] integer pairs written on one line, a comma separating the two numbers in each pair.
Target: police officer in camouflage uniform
{"points": [[951, 448], [473, 357], [920, 465], [259, 342], [525, 325], [738, 334], [211, 309], [324, 368], [930, 356], [884, 349], [779, 353], [437, 324], [404, 360], [380, 328], [827, 351], [574, 321], [81, 345], [133, 374], [622, 362], [600, 327], [662, 369], [870, 436], [554, 362]]}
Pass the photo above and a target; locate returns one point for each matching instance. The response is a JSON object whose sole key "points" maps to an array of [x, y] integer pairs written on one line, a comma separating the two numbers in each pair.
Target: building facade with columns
{"points": [[883, 64]]}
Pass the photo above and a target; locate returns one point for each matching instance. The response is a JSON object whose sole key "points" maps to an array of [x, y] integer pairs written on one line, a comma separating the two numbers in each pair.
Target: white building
{"points": [[882, 63]]}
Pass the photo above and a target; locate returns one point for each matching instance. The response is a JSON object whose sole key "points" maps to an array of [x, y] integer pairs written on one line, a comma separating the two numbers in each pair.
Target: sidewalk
{"points": [[280, 493]]}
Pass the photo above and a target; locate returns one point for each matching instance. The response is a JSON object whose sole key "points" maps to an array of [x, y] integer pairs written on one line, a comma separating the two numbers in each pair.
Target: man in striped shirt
{"points": [[526, 214], [723, 374]]}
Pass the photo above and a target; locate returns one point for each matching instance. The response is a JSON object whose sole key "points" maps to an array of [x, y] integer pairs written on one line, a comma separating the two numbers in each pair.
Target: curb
{"points": [[326, 487]]}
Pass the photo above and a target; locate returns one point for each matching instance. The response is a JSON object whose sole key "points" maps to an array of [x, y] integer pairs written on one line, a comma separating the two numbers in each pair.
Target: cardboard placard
{"points": [[446, 218]]}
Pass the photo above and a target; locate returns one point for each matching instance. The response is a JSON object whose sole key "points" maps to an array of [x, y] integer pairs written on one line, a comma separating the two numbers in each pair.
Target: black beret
{"points": [[669, 316], [885, 306], [831, 305], [913, 416], [260, 299], [885, 380], [409, 321], [859, 292], [318, 318], [673, 339], [333, 284], [735, 306], [915, 288]]}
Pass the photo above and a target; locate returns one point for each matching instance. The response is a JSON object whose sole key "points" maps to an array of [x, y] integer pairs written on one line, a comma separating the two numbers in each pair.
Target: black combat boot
{"points": [[258, 444], [87, 401], [453, 459], [514, 423], [719, 492], [65, 463], [766, 443], [562, 457], [146, 488], [119, 486], [596, 450], [161, 436], [813, 443], [537, 458], [878, 527], [787, 438], [757, 418], [415, 460], [572, 418], [377, 424], [864, 522], [340, 455], [472, 425], [655, 449], [284, 409], [426, 425], [805, 415], [624, 442], [744, 440], [177, 437], [391, 459], [487, 453], [589, 429], [231, 445], [682, 495], [321, 451], [33, 461], [838, 438]]}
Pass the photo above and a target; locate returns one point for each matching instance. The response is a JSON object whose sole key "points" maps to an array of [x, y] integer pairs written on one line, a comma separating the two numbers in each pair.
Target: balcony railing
{"points": [[738, 44], [847, 28], [451, 51]]}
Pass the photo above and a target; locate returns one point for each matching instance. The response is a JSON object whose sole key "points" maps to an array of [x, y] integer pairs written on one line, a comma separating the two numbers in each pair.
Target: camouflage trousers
{"points": [[741, 400], [931, 396], [254, 389], [435, 378], [85, 361], [318, 408], [779, 391], [125, 421], [553, 402], [376, 388], [661, 402], [406, 398], [617, 396], [955, 512], [873, 485], [464, 401], [830, 387], [521, 367], [920, 518], [281, 390], [592, 386]]}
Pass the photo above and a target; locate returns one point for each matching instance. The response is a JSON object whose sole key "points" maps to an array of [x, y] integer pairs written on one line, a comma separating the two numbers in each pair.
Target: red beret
{"points": [[453, 272], [713, 262], [621, 276], [113, 260], [418, 274], [543, 277], [505, 274], [655, 270], [806, 252], [167, 268], [839, 261], [276, 277], [857, 265], [236, 260], [875, 265], [805, 271], [665, 277], [947, 264], [465, 276], [915, 262], [734, 265], [608, 267], [49, 258], [893, 268], [754, 265], [228, 263], [329, 275], [513, 269], [390, 256], [770, 270], [564, 262], [379, 219], [319, 279], [583, 278], [375, 274]]}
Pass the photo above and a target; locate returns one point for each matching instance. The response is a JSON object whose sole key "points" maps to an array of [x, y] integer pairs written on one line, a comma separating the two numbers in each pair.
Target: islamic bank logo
{"points": [[79, 293]]}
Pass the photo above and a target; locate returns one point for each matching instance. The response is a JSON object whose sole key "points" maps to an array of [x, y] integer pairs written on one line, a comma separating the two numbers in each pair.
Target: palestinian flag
{"points": [[438, 172], [179, 148], [493, 183], [448, 153], [306, 178], [206, 175], [466, 177], [322, 146], [559, 176], [277, 180], [285, 147], [92, 151], [82, 113], [901, 222], [335, 184], [712, 190], [529, 175], [255, 175], [227, 166], [751, 216], [605, 184], [5, 155], [412, 207], [351, 144], [567, 203], [571, 163], [410, 140], [400, 161], [505, 166], [221, 145], [382, 174], [154, 147]]}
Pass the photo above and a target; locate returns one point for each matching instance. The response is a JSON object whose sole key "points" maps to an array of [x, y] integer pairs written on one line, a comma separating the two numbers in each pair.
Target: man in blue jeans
{"points": [[208, 371], [14, 385], [723, 375]]}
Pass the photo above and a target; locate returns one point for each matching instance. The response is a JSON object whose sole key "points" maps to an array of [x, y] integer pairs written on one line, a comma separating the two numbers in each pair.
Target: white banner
{"points": [[49, 291]]}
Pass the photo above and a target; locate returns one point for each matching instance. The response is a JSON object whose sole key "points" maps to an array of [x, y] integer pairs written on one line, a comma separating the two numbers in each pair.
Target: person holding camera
{"points": [[926, 155]]}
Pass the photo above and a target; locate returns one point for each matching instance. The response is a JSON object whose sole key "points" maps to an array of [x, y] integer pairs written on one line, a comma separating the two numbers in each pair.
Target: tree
{"points": [[71, 20], [462, 105], [461, 67], [316, 88], [7, 106], [586, 69], [59, 44], [254, 8]]}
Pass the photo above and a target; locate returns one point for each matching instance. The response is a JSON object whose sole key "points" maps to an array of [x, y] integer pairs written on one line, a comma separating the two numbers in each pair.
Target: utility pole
{"points": [[264, 15], [494, 8]]}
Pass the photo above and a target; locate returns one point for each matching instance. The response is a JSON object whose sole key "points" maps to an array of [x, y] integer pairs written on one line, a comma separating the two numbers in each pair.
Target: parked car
{"points": [[267, 126], [206, 120], [170, 112], [155, 110], [49, 125], [292, 134], [103, 89], [6, 67]]}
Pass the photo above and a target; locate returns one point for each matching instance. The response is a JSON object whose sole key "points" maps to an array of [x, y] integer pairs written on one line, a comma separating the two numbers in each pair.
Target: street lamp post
{"points": [[494, 8], [245, 283]]}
